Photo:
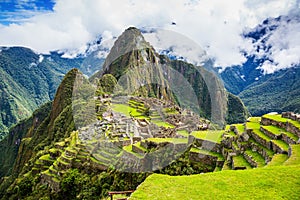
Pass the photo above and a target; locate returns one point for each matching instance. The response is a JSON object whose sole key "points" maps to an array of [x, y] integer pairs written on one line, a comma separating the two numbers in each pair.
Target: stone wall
{"points": [[267, 122], [293, 129], [287, 139], [203, 158], [260, 140], [205, 144], [261, 151], [250, 160], [291, 115], [277, 149], [270, 134]]}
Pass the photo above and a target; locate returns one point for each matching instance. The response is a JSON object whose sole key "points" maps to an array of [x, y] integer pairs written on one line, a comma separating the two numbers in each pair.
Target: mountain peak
{"points": [[129, 41]]}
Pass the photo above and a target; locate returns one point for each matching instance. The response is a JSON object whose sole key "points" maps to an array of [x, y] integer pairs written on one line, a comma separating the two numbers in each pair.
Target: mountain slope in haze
{"points": [[265, 91], [29, 80]]}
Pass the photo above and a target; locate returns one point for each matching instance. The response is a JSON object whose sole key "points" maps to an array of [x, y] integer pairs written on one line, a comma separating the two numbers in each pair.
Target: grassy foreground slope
{"points": [[263, 183]]}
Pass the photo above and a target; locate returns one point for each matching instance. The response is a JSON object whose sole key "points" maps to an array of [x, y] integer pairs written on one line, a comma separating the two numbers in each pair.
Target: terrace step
{"points": [[137, 148], [280, 146], [261, 138], [66, 158], [280, 133], [101, 159], [277, 160], [238, 129], [254, 158], [239, 162], [62, 164], [271, 131], [226, 166], [266, 153]]}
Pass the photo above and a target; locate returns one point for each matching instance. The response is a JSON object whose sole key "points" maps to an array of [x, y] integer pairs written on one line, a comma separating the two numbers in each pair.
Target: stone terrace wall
{"points": [[291, 115]]}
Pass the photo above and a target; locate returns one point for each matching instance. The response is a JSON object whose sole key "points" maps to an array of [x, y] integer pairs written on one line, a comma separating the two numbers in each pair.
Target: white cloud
{"points": [[283, 45], [215, 25]]}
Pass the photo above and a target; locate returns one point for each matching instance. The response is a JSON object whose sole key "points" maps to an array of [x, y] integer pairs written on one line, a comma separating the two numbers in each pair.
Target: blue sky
{"points": [[18, 11]]}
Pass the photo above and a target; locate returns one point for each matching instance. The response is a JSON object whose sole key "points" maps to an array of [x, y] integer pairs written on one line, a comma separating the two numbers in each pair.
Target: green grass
{"points": [[273, 129], [128, 149], [126, 110], [252, 125], [162, 124], [254, 119], [263, 183], [206, 152], [170, 140], [46, 157], [239, 161], [240, 128], [62, 144], [184, 133], [277, 160], [277, 118], [295, 157], [227, 127], [214, 136], [261, 134]]}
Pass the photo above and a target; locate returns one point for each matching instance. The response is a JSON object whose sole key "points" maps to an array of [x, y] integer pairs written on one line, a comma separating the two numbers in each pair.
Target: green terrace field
{"points": [[262, 183], [126, 110], [210, 135]]}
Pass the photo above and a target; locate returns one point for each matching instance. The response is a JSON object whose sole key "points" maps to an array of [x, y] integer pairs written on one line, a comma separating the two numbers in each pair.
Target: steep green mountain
{"points": [[138, 65], [29, 80]]}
